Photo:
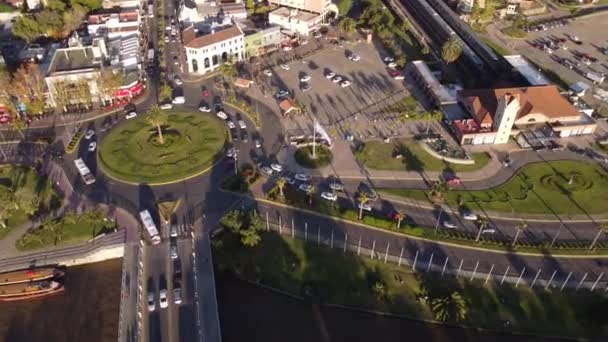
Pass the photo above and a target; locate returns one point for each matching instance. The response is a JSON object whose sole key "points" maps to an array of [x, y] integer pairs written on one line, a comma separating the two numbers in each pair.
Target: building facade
{"points": [[313, 6], [295, 22], [260, 42], [207, 52], [118, 24]]}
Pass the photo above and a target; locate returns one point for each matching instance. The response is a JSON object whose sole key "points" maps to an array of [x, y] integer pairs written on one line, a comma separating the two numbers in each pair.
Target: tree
{"points": [[425, 50], [400, 217], [250, 237], [253, 221], [233, 220], [379, 290], [29, 88], [483, 223], [72, 19], [27, 28], [281, 184], [249, 5], [164, 91], [346, 25], [400, 60], [603, 229], [228, 70], [55, 5], [90, 4], [51, 22], [8, 205], [451, 50], [5, 92], [523, 225], [362, 199], [344, 7], [155, 117], [450, 307]]}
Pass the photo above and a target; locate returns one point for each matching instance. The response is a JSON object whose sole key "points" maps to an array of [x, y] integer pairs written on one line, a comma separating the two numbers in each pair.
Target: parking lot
{"points": [[580, 52], [349, 108]]}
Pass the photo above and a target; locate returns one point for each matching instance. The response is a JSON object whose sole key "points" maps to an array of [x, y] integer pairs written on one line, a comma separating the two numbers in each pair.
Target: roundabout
{"points": [[162, 147]]}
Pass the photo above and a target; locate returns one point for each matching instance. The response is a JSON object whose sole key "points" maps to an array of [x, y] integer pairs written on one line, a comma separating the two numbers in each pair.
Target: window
{"points": [[206, 63], [194, 65]]}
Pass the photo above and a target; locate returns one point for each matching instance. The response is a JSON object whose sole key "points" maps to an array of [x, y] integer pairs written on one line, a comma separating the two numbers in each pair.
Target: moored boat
{"points": [[29, 290], [28, 275]]}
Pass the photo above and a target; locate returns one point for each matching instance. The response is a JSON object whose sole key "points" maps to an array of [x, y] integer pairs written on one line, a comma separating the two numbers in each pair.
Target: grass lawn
{"points": [[31, 193], [380, 156], [303, 156], [132, 152], [406, 104], [539, 188], [331, 276], [70, 229]]}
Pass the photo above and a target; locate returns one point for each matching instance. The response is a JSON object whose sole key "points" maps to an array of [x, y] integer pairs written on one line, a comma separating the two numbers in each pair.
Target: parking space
{"points": [[574, 50], [350, 106]]}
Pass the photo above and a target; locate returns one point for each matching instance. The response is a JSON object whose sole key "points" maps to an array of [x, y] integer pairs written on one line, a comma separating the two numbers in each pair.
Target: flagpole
{"points": [[314, 138]]}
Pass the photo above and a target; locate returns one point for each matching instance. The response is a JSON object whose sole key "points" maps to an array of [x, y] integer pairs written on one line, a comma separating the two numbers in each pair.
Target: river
{"points": [[87, 310], [251, 313]]}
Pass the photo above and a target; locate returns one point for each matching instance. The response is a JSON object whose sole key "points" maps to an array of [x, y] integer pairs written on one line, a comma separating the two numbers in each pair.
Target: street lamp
{"points": [[236, 168]]}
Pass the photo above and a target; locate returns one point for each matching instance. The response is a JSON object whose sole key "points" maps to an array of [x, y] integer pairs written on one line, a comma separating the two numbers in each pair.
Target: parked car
{"points": [[392, 65], [336, 79], [242, 124], [267, 72], [488, 231], [330, 196], [178, 81], [354, 57], [388, 59], [266, 170], [306, 87], [173, 251], [179, 100], [448, 224], [258, 143], [345, 83], [305, 78], [131, 115], [177, 295], [276, 167], [90, 134], [396, 75], [230, 124], [302, 177], [284, 66], [335, 186], [163, 299], [231, 152], [469, 216], [173, 231], [204, 109], [166, 106], [305, 187], [368, 191], [151, 302], [330, 75], [92, 146], [453, 181]]}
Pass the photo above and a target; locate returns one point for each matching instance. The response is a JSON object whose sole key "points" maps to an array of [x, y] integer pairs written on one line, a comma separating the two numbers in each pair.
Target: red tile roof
{"points": [[213, 38]]}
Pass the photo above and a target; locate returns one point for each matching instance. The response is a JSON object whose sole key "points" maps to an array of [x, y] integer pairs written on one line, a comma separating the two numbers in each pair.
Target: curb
{"points": [[403, 235]]}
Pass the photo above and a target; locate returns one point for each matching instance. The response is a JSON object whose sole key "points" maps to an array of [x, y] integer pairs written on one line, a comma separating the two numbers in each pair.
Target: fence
{"points": [[548, 274]]}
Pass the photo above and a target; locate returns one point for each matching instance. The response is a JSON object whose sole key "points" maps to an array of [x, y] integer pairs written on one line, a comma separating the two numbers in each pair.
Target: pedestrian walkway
{"points": [[206, 299]]}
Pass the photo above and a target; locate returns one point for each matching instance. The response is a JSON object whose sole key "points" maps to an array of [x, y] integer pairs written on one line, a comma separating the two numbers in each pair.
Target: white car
{"points": [[302, 177], [365, 207], [151, 302], [177, 295], [242, 124], [306, 87], [178, 81], [231, 152], [166, 106], [392, 65], [230, 124], [173, 252], [92, 146], [448, 224], [336, 186], [276, 167], [398, 77], [267, 72], [284, 66], [266, 170], [90, 134], [204, 109], [388, 59], [258, 143], [179, 100], [173, 232], [305, 78], [336, 79], [330, 75], [469, 216], [166, 39], [354, 58], [220, 114], [330, 196], [163, 299], [345, 84], [131, 115], [307, 188], [488, 231]]}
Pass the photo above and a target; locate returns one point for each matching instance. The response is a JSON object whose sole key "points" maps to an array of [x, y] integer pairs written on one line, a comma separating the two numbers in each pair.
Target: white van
{"points": [[179, 100]]}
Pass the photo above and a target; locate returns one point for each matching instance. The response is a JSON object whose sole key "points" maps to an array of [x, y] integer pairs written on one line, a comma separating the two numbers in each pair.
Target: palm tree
{"points": [[250, 237], [281, 184], [155, 117], [362, 199], [449, 308], [603, 229], [451, 50], [523, 225], [400, 217], [228, 69], [483, 223], [346, 25]]}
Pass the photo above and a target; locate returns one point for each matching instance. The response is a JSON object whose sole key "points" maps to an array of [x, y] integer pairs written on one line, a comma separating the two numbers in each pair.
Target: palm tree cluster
{"points": [[155, 117], [449, 308], [451, 50]]}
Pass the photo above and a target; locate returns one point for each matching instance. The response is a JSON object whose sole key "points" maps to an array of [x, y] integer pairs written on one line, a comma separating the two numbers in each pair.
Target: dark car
{"points": [[245, 136]]}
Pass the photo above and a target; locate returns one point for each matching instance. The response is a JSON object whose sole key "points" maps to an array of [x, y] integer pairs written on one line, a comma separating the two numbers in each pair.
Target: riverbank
{"points": [[87, 310]]}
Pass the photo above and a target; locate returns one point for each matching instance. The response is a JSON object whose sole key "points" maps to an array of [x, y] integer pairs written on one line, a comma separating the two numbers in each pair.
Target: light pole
{"points": [[438, 218], [236, 164]]}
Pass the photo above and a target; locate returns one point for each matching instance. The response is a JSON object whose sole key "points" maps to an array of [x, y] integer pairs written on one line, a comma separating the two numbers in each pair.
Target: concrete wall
{"points": [[447, 159]]}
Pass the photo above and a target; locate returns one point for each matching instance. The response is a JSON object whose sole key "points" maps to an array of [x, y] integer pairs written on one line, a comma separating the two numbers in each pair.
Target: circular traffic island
{"points": [[162, 147], [304, 157]]}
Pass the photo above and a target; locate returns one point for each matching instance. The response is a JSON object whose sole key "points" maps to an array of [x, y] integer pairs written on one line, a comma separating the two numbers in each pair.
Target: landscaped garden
{"points": [[378, 155], [162, 147], [334, 277], [23, 194], [556, 187], [71, 228], [304, 156]]}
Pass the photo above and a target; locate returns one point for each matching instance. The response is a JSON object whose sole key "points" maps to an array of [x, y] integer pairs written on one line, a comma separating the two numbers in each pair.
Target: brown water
{"points": [[86, 311], [251, 313]]}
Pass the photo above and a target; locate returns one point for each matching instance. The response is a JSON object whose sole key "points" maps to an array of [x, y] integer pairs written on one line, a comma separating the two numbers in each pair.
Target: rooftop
{"points": [[443, 96], [527, 70], [544, 99], [76, 58], [291, 13], [216, 37]]}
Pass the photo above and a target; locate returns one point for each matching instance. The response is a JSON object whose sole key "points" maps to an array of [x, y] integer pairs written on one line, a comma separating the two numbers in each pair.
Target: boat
{"points": [[29, 290], [30, 274]]}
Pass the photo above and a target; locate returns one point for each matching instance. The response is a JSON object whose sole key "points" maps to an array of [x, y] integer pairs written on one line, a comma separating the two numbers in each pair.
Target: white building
{"points": [[294, 21], [114, 25], [313, 6], [207, 52]]}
